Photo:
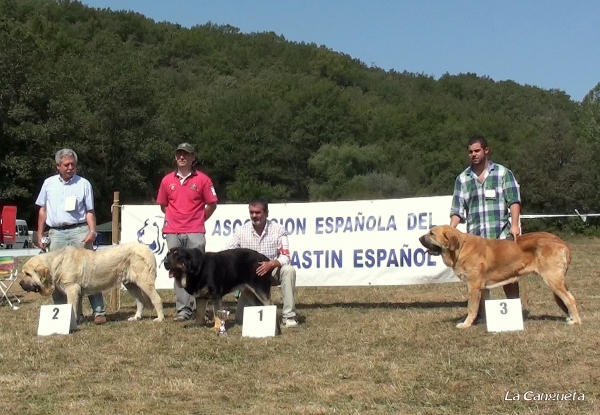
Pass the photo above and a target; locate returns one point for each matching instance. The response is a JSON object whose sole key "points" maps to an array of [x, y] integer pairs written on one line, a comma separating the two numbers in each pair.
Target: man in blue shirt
{"points": [[66, 203]]}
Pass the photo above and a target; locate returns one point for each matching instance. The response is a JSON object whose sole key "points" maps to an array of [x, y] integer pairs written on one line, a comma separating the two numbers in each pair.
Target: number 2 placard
{"points": [[259, 321], [56, 319], [504, 315]]}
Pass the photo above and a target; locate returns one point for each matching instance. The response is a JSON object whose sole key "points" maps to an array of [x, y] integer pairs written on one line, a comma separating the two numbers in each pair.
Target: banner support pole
{"points": [[114, 294]]}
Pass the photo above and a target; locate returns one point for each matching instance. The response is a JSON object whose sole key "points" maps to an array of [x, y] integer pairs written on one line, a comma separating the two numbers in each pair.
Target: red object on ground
{"points": [[8, 225]]}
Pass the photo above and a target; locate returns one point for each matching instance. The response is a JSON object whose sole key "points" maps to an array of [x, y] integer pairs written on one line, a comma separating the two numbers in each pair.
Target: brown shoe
{"points": [[99, 319]]}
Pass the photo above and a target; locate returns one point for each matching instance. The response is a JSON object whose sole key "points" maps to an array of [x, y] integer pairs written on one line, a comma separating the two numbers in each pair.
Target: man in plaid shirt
{"points": [[486, 194], [270, 239]]}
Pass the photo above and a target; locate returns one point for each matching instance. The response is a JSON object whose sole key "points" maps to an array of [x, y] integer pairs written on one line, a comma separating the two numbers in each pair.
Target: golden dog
{"points": [[78, 271], [488, 263]]}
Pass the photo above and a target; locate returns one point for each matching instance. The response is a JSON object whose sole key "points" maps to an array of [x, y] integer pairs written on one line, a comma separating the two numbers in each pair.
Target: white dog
{"points": [[79, 271]]}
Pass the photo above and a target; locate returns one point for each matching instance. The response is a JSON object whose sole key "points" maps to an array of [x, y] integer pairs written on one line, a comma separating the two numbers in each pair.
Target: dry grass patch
{"points": [[367, 350]]}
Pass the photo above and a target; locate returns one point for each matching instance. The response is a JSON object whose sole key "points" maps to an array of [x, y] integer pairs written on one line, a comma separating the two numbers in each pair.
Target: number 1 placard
{"points": [[259, 321], [56, 319], [504, 315]]}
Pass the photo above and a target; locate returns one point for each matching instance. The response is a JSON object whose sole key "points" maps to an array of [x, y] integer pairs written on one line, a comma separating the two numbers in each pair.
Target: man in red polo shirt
{"points": [[187, 197]]}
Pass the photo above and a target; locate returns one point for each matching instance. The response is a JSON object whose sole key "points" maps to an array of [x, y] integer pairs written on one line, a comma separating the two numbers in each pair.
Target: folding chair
{"points": [[8, 276]]}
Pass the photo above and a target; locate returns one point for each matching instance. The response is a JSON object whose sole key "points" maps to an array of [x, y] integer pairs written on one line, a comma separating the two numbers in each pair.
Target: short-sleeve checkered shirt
{"points": [[273, 243], [485, 206]]}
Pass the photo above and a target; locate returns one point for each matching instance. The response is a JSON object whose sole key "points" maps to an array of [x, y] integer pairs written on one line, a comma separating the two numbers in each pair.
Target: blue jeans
{"points": [[74, 237]]}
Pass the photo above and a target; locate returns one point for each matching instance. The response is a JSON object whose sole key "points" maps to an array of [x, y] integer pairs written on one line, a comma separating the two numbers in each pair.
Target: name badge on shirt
{"points": [[70, 203], [490, 193]]}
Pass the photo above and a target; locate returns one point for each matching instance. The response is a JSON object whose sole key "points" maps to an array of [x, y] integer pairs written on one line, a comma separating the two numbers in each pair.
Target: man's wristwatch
{"points": [[94, 232]]}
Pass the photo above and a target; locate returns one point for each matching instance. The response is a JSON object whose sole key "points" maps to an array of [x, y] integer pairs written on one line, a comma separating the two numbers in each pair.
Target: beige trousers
{"points": [[284, 276]]}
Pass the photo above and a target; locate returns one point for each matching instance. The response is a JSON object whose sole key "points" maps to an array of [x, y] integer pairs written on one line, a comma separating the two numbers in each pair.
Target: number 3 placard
{"points": [[259, 321], [56, 319], [504, 315]]}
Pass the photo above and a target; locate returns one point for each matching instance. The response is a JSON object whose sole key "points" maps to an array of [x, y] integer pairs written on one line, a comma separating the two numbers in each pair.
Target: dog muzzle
{"points": [[431, 248], [28, 285]]}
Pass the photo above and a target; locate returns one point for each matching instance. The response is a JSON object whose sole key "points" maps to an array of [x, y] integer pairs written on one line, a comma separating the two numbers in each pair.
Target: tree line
{"points": [[282, 120]]}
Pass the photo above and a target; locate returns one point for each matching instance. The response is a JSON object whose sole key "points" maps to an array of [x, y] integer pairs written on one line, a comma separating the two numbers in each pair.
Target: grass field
{"points": [[367, 350]]}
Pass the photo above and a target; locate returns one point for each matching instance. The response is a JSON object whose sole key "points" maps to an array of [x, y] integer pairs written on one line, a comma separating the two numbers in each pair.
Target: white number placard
{"points": [[259, 321], [503, 315], [56, 319]]}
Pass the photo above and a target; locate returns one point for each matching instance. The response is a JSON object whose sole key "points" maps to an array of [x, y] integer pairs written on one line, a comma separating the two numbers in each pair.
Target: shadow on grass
{"points": [[231, 305], [546, 317], [420, 304], [526, 317], [226, 304], [124, 314], [168, 308]]}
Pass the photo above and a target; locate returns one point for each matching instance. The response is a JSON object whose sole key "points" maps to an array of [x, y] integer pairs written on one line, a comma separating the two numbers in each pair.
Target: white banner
{"points": [[371, 242]]}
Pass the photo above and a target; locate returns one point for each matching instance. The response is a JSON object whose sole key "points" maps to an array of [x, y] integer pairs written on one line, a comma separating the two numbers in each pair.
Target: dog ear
{"points": [[43, 272], [453, 243], [174, 254]]}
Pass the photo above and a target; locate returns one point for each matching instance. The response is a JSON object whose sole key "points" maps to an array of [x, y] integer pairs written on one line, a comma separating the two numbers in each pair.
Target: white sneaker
{"points": [[290, 322]]}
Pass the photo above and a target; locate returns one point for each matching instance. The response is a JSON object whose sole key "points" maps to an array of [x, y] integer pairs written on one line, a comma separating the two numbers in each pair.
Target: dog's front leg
{"points": [[472, 306], [217, 305], [73, 293], [201, 310]]}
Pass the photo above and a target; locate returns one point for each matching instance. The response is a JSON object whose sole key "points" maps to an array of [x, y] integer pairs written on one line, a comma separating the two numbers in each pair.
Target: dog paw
{"points": [[134, 318], [159, 319], [463, 325]]}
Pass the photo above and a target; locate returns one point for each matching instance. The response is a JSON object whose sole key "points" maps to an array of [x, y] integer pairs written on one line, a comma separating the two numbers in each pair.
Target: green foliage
{"points": [[377, 186], [349, 172], [271, 118]]}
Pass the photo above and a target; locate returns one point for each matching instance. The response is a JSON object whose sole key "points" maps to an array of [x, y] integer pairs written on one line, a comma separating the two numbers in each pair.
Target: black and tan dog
{"points": [[211, 275], [488, 263]]}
